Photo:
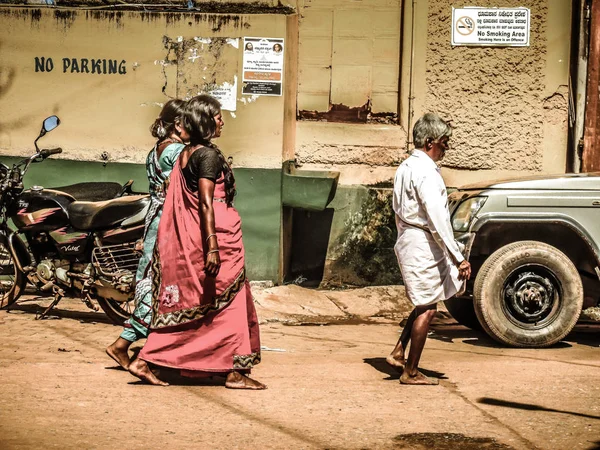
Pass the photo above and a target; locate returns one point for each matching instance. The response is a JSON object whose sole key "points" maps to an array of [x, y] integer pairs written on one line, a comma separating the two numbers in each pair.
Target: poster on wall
{"points": [[504, 27], [263, 66], [226, 94]]}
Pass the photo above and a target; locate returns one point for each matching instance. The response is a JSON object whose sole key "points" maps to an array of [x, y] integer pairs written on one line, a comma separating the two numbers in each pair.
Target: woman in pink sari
{"points": [[204, 322]]}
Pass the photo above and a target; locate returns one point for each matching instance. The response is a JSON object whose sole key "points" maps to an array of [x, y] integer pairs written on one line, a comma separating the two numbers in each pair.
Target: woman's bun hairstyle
{"points": [[171, 113]]}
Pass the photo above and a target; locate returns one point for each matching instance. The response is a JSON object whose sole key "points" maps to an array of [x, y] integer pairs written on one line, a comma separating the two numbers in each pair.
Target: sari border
{"points": [[246, 361], [218, 303]]}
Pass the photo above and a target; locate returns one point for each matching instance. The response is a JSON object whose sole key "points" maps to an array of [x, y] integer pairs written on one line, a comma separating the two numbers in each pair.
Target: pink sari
{"points": [[200, 323]]}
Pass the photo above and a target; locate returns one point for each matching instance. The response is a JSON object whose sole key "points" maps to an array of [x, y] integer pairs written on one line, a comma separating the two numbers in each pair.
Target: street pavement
{"points": [[328, 384]]}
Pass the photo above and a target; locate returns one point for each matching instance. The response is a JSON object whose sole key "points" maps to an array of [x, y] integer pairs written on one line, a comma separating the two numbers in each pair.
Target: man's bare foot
{"points": [[236, 380], [418, 379], [140, 369], [396, 362], [118, 352]]}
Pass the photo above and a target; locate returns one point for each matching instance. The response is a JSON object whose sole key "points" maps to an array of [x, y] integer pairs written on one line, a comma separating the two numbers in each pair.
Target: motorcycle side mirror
{"points": [[50, 123]]}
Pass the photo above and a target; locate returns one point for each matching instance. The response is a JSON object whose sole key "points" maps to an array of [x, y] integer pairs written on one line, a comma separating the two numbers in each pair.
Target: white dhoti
{"points": [[428, 273]]}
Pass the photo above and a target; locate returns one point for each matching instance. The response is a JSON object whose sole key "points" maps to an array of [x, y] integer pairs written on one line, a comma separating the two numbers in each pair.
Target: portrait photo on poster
{"points": [[263, 66]]}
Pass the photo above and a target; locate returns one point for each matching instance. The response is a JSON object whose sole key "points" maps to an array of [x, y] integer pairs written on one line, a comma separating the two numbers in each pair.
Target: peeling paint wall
{"points": [[509, 105], [349, 70], [155, 56]]}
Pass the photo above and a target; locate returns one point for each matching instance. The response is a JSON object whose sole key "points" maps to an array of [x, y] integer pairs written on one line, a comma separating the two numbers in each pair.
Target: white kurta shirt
{"points": [[426, 250]]}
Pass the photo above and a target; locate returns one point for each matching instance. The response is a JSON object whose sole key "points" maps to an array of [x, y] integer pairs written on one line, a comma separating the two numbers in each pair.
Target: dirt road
{"points": [[329, 387]]}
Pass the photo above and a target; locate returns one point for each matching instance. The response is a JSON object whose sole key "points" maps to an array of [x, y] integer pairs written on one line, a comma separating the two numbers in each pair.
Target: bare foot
{"points": [[396, 362], [418, 379], [140, 369], [118, 352], [236, 380]]}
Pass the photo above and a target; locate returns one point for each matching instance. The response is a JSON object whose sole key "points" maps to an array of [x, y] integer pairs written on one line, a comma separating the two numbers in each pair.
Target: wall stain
{"points": [[211, 7], [347, 114], [65, 18], [34, 14], [200, 65], [106, 16]]}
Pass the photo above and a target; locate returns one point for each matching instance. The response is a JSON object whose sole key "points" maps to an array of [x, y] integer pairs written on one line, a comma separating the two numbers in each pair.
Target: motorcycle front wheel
{"points": [[117, 312], [12, 280]]}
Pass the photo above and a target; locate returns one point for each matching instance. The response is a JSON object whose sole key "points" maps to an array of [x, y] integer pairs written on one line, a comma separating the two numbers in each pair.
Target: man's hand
{"points": [[464, 270]]}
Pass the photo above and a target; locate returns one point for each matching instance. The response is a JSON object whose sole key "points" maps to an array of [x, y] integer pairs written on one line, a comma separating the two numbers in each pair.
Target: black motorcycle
{"points": [[78, 240]]}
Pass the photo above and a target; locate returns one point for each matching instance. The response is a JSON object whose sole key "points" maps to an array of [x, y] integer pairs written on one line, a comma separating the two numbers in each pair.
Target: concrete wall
{"points": [[155, 56], [349, 56], [358, 74], [509, 107], [165, 55]]}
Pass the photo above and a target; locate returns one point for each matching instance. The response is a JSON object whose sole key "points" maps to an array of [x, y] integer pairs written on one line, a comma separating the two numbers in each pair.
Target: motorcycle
{"points": [[78, 239]]}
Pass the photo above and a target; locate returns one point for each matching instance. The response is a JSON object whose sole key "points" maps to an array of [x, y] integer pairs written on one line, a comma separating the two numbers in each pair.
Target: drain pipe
{"points": [[410, 112]]}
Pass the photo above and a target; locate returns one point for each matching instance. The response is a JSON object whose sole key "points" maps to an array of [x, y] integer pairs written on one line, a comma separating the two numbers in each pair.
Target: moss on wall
{"points": [[363, 234]]}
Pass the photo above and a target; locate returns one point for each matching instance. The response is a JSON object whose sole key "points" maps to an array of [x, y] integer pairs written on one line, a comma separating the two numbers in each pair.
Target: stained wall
{"points": [[509, 107], [160, 55], [110, 74]]}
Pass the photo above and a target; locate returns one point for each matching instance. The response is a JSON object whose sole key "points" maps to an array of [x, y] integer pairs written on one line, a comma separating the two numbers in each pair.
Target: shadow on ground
{"points": [[531, 407], [36, 309], [394, 374], [447, 441], [582, 334]]}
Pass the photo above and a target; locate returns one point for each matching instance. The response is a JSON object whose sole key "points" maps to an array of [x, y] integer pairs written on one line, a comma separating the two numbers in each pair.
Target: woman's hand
{"points": [[213, 263]]}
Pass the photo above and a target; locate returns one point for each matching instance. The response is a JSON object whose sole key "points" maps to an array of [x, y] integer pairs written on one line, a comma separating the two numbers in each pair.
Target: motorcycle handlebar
{"points": [[50, 151]]}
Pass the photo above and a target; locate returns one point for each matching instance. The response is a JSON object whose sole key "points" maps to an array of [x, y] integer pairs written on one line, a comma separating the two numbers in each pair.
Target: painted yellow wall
{"points": [[165, 55], [349, 54]]}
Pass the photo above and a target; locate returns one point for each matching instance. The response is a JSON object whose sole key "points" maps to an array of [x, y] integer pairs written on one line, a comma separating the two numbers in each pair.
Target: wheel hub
{"points": [[530, 296]]}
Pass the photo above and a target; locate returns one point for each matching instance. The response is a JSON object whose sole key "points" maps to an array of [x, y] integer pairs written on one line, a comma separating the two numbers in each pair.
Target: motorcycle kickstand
{"points": [[58, 295], [86, 298]]}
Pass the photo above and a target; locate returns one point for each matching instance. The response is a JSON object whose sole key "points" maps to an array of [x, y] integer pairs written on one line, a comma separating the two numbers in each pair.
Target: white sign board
{"points": [[506, 27], [226, 94], [263, 66]]}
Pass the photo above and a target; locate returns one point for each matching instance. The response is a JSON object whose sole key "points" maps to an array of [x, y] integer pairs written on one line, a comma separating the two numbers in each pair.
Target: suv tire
{"points": [[528, 294]]}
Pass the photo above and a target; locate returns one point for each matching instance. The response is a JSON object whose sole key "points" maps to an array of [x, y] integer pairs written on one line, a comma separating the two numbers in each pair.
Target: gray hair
{"points": [[430, 126]]}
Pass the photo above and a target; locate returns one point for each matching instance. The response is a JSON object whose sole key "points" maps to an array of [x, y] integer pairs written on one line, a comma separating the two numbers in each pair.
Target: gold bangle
{"points": [[209, 236], [212, 251]]}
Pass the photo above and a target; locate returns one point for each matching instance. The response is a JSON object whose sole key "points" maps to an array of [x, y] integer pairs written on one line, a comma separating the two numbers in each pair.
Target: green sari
{"points": [[158, 171]]}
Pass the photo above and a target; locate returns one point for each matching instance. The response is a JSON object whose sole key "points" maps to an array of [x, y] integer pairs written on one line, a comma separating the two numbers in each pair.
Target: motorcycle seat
{"points": [[92, 191], [105, 214]]}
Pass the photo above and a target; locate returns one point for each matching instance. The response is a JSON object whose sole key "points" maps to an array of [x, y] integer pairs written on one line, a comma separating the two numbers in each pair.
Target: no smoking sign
{"points": [[491, 27], [465, 25]]}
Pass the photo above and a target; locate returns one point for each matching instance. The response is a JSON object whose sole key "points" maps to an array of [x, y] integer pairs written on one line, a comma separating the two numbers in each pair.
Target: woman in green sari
{"points": [[159, 163]]}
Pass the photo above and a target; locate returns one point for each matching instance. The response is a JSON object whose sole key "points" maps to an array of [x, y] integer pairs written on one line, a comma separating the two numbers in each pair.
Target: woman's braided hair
{"points": [[164, 125], [198, 119]]}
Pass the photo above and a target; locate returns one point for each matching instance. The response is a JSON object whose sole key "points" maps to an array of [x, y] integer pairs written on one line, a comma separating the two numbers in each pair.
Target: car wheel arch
{"points": [[566, 235]]}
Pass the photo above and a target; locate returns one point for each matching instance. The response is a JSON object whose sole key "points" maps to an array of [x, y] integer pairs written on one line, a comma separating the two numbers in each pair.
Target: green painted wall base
{"points": [[258, 201]]}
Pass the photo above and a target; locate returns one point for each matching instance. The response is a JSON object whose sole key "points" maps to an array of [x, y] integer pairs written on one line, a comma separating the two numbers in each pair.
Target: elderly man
{"points": [[432, 265]]}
